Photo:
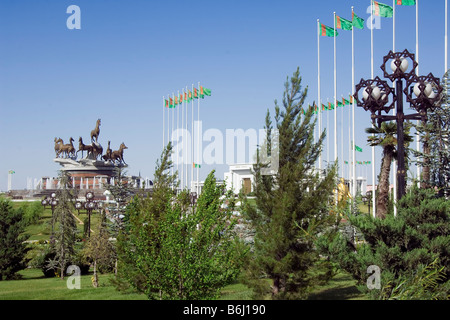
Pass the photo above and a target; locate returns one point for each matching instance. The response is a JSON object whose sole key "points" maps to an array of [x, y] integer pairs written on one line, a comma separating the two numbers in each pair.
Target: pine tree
{"points": [[435, 133], [12, 246], [418, 237], [66, 228], [292, 206]]}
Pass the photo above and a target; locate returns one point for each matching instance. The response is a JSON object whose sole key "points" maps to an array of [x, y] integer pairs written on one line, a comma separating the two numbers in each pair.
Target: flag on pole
{"points": [[343, 24], [406, 2], [327, 31], [330, 106], [358, 149], [351, 99], [382, 10], [195, 93], [205, 91], [357, 22], [195, 165], [345, 101], [11, 172]]}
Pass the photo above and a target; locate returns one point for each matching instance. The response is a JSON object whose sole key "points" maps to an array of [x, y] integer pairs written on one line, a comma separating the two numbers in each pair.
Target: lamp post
{"points": [[53, 202], [89, 205], [379, 97]]}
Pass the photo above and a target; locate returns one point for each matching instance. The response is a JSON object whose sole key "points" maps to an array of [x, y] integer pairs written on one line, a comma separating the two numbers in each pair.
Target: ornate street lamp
{"points": [[90, 205], [376, 99], [52, 202]]}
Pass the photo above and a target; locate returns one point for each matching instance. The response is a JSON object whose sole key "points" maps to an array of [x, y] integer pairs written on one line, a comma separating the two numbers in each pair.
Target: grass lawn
{"points": [[34, 286]]}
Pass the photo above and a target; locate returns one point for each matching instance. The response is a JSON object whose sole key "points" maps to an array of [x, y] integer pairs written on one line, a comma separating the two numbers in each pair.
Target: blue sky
{"points": [[129, 54]]}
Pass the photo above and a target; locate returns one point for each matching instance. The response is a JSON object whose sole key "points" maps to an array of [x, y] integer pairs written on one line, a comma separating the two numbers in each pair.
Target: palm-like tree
{"points": [[386, 137]]}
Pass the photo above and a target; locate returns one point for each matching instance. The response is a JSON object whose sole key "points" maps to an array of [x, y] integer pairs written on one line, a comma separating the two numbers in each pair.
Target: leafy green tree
{"points": [[418, 237], [12, 246], [172, 249], [292, 206], [386, 137], [100, 250]]}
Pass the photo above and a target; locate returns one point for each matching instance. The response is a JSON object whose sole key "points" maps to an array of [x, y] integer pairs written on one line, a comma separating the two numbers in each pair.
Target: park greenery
{"points": [[292, 238]]}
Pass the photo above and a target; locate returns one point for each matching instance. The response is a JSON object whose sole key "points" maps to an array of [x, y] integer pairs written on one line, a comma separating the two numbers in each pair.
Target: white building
{"points": [[240, 176]]}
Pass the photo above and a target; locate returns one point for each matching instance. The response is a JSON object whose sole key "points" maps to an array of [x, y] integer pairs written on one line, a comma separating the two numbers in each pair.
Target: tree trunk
{"points": [[95, 280], [426, 167], [384, 184]]}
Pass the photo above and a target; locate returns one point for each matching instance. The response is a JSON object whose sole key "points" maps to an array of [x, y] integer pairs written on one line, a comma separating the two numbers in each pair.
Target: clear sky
{"points": [[56, 82]]}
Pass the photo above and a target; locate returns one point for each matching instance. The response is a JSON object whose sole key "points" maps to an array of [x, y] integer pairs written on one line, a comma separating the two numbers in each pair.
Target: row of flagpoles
{"points": [[381, 10], [173, 104]]}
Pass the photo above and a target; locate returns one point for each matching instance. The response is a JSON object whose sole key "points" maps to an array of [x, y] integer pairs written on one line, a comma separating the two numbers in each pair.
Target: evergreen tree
{"points": [[66, 228], [417, 238], [435, 134], [292, 205], [12, 246]]}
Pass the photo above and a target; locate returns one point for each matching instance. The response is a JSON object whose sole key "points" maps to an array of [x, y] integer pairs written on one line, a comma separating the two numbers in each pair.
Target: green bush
{"points": [[418, 237]]}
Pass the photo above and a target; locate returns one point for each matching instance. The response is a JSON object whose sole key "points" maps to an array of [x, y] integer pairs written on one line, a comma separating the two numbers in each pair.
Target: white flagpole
{"points": [[178, 127], [417, 73], [186, 143], [328, 136], [342, 139], [173, 117], [372, 76], [168, 116], [335, 93], [394, 163], [446, 37], [198, 139], [192, 139], [164, 106], [319, 103], [182, 139], [353, 112]]}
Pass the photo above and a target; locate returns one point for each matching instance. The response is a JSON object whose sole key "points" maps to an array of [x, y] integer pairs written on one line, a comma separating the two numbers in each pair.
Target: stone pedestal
{"points": [[87, 173]]}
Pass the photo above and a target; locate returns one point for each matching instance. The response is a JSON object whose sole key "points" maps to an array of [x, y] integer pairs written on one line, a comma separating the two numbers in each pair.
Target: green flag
{"points": [[357, 21], [343, 24], [195, 165], [406, 2], [327, 31], [358, 149], [382, 10], [205, 91]]}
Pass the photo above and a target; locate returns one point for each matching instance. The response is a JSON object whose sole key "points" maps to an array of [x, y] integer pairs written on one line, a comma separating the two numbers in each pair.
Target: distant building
{"points": [[239, 177]]}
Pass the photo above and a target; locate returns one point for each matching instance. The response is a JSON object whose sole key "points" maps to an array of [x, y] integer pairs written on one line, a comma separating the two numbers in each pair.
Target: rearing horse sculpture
{"points": [[95, 133]]}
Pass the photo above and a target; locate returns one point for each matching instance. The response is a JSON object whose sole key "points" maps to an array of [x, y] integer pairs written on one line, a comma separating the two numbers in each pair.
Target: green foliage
{"points": [[99, 249], [171, 249], [65, 234], [12, 246], [292, 206], [32, 212], [419, 237]]}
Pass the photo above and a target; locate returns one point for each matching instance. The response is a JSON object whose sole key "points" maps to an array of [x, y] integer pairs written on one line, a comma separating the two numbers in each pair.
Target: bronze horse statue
{"points": [[82, 147], [68, 149], [96, 132], [107, 155], [118, 154], [58, 144]]}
